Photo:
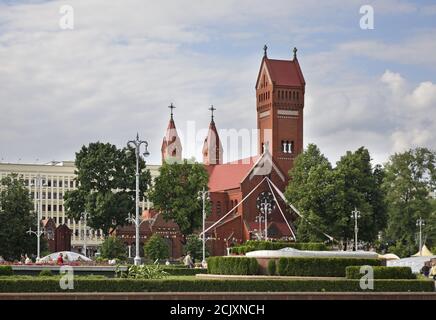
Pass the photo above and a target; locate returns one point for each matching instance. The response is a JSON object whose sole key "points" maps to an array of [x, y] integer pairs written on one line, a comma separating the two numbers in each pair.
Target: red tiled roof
{"points": [[227, 176], [285, 72]]}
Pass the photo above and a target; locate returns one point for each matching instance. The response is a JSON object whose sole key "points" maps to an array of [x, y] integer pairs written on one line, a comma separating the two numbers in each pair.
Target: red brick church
{"points": [[239, 189]]}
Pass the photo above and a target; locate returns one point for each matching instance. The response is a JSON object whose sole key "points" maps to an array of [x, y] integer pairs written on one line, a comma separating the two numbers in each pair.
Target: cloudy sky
{"points": [[117, 71]]}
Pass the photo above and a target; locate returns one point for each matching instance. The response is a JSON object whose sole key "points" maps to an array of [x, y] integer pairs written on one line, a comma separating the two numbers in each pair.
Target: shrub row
{"points": [[50, 284], [320, 267], [232, 265], [183, 271], [353, 272], [6, 271], [253, 245]]}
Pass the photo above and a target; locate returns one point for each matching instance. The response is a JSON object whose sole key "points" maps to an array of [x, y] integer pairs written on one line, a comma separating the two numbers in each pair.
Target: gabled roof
{"points": [[227, 176], [283, 72]]}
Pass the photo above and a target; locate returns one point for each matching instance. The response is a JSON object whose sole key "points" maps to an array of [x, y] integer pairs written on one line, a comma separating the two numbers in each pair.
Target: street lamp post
{"points": [[266, 208], [356, 215], [136, 144], [420, 223], [204, 195], [260, 218], [85, 227], [39, 184]]}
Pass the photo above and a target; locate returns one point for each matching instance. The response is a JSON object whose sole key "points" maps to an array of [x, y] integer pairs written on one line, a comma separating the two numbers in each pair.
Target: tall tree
{"points": [[410, 179], [311, 190], [326, 196], [362, 190], [175, 194], [16, 217], [106, 185]]}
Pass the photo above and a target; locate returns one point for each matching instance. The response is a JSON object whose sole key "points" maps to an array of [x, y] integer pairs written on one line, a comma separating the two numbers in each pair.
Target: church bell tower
{"points": [[280, 90]]}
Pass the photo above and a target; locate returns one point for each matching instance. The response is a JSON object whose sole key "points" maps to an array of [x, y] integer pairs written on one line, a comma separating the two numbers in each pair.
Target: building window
{"points": [[236, 203], [60, 183], [287, 147], [298, 95], [218, 208]]}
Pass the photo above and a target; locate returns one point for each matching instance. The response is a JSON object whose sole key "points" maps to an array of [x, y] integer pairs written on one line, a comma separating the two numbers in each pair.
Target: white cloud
{"points": [[125, 61]]}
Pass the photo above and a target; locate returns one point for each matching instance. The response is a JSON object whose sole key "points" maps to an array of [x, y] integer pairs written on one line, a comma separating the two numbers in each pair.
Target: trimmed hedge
{"points": [[232, 265], [320, 267], [183, 271], [50, 284], [6, 271], [45, 273], [353, 272], [252, 245], [272, 267]]}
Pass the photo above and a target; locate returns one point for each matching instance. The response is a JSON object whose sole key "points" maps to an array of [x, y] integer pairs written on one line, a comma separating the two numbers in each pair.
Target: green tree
{"points": [[113, 248], [16, 217], [156, 247], [361, 188], [175, 194], [410, 178], [106, 186], [195, 246], [311, 191], [326, 196]]}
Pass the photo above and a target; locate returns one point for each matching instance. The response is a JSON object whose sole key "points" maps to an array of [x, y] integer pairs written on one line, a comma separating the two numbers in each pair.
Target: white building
{"points": [[58, 177]]}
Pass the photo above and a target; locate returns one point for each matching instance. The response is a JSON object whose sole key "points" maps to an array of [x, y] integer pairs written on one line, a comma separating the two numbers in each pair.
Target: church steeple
{"points": [[171, 144], [212, 147]]}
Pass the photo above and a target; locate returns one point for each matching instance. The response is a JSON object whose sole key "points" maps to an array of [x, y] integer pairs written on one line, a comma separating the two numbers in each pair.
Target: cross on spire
{"points": [[212, 109], [265, 48], [295, 53], [171, 106]]}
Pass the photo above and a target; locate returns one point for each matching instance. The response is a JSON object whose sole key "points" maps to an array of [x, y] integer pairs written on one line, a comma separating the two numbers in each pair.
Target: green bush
{"points": [[320, 267], [272, 267], [183, 271], [353, 272], [113, 248], [6, 271], [252, 245], [232, 265], [202, 285], [156, 248], [46, 273], [146, 271]]}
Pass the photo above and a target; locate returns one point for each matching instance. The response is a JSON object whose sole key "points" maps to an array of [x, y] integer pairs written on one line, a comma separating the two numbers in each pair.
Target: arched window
{"points": [[236, 209]]}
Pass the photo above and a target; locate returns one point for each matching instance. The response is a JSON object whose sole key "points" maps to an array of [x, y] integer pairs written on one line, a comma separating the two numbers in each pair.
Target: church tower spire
{"points": [[171, 144], [212, 147], [280, 90]]}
